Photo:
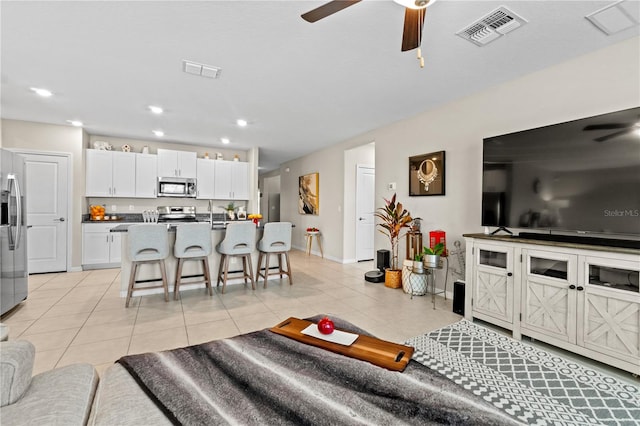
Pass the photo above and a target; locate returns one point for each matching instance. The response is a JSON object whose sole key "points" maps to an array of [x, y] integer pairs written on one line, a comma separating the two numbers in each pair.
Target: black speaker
{"points": [[458, 297], [383, 260]]}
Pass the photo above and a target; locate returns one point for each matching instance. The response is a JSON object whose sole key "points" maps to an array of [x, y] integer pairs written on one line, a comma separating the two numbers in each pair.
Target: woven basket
{"points": [[393, 278]]}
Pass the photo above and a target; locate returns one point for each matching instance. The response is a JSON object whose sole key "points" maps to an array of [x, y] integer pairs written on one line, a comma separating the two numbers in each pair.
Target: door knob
{"points": [[361, 218], [572, 287], [509, 274], [59, 220]]}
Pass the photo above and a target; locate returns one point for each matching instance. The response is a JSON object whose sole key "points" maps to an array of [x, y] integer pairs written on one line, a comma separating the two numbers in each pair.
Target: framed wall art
{"points": [[309, 194], [426, 174]]}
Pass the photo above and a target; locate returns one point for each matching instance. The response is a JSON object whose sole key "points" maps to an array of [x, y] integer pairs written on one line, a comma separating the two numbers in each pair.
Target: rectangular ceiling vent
{"points": [[202, 70], [492, 26], [615, 18]]}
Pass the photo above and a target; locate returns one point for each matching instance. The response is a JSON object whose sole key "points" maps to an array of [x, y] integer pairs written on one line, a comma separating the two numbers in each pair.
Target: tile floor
{"points": [[80, 316]]}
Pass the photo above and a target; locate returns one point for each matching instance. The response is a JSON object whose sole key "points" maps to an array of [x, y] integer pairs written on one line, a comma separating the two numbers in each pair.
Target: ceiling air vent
{"points": [[614, 18], [202, 70], [492, 26]]}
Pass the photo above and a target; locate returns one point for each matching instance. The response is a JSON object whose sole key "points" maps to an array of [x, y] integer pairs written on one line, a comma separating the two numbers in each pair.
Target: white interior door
{"points": [[47, 216], [365, 207]]}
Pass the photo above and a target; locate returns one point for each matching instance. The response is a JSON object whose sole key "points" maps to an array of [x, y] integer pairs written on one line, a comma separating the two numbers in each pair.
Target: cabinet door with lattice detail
{"points": [[549, 294], [493, 282], [610, 317]]}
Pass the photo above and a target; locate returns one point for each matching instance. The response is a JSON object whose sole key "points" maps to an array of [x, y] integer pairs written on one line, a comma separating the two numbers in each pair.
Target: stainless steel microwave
{"points": [[176, 187]]}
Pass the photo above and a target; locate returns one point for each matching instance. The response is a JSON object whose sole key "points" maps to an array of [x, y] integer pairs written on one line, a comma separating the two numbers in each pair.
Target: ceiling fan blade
{"points": [[613, 135], [413, 23], [609, 126], [328, 9]]}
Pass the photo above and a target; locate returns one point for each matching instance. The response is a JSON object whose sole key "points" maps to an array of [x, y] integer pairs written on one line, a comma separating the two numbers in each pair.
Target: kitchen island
{"points": [[151, 271]]}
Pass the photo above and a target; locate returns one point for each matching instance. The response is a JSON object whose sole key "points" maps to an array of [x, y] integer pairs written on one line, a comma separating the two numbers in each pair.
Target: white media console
{"points": [[583, 298]]}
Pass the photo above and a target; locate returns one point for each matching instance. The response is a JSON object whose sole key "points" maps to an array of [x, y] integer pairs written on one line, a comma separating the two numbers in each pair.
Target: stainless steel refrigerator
{"points": [[13, 238]]}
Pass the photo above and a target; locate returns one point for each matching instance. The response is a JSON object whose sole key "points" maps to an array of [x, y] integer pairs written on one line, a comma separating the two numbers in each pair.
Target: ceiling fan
{"points": [[624, 129], [413, 18]]}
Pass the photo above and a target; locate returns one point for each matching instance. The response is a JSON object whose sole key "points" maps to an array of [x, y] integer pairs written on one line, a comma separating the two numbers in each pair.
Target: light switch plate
{"points": [[391, 186]]}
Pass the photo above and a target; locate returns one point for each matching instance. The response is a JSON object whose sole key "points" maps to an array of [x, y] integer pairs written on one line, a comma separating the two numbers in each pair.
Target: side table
{"points": [[309, 236], [426, 280]]}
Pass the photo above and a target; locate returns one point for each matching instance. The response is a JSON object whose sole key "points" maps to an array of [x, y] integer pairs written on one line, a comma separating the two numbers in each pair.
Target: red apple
{"points": [[326, 326]]}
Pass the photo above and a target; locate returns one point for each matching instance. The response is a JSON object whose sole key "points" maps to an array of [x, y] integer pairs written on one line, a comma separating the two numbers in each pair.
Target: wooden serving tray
{"points": [[382, 353]]}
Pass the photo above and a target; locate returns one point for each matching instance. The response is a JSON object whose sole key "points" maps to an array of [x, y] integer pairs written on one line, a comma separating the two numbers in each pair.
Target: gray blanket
{"points": [[263, 378]]}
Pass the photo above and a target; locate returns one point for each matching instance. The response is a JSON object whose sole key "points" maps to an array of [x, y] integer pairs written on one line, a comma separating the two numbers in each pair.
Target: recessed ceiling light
{"points": [[75, 123], [242, 123], [42, 92], [158, 133], [225, 140], [155, 109]]}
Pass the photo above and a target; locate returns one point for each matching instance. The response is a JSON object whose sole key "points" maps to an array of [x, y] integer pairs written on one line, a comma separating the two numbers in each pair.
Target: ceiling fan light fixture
{"points": [[415, 4]]}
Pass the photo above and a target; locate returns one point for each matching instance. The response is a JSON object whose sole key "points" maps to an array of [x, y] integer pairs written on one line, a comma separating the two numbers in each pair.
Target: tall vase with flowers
{"points": [[394, 219]]}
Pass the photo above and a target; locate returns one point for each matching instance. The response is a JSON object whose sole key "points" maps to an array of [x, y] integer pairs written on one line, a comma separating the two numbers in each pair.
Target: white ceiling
{"points": [[301, 86]]}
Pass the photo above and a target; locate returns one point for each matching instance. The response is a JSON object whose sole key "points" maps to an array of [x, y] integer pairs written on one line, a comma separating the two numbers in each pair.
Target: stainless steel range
{"points": [[177, 214]]}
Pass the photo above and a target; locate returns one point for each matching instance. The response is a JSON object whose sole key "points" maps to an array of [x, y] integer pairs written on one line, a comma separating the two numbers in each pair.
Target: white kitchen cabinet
{"points": [[100, 247], [206, 179], [240, 180], [172, 163], [110, 174], [582, 298], [98, 173], [231, 180], [146, 175]]}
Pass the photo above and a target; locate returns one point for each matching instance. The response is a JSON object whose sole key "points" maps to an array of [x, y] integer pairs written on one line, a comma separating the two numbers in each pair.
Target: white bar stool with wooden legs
{"points": [[275, 240], [239, 240], [148, 244], [193, 242]]}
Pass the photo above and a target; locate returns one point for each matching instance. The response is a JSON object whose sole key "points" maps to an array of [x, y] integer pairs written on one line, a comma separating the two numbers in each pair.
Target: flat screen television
{"points": [[581, 176]]}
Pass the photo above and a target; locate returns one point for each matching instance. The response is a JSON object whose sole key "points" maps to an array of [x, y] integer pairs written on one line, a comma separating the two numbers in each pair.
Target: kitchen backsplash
{"points": [[120, 206]]}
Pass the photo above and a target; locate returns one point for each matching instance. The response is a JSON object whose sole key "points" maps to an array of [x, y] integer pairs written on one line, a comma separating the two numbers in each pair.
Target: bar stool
{"points": [[239, 240], [275, 240], [148, 244], [193, 242]]}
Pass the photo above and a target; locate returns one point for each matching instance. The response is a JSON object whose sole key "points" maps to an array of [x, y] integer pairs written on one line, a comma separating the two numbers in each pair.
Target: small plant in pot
{"points": [[431, 256], [418, 265], [394, 219]]}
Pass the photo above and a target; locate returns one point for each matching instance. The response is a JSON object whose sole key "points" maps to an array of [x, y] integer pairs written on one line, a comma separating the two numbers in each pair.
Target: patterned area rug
{"points": [[532, 385]]}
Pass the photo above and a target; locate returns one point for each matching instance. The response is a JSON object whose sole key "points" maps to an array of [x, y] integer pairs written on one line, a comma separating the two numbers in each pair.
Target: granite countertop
{"points": [[137, 217], [172, 227]]}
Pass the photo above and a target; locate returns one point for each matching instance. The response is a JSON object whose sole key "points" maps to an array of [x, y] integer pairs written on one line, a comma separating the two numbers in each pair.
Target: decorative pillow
{"points": [[16, 367]]}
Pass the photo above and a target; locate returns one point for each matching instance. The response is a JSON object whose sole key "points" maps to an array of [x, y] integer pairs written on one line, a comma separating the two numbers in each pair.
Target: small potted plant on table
{"points": [[394, 218], [431, 256]]}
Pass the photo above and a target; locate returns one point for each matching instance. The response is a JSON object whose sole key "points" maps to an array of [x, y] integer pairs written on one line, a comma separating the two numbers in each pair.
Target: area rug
{"points": [[532, 385]]}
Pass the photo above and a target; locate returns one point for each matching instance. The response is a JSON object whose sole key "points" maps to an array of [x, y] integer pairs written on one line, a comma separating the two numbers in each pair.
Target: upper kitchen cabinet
{"points": [[146, 175], [231, 180], [206, 179], [110, 174], [173, 163]]}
